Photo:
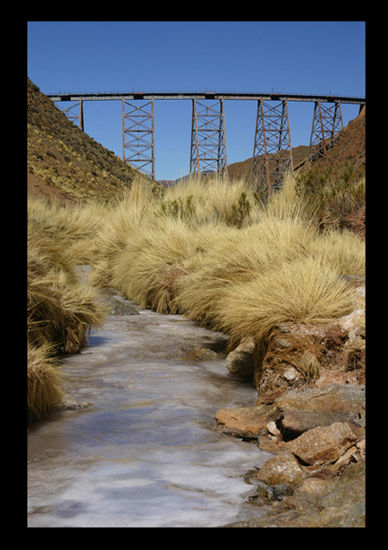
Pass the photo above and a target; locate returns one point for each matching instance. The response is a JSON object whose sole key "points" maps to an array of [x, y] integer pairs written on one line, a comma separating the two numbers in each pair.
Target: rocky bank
{"points": [[310, 414]]}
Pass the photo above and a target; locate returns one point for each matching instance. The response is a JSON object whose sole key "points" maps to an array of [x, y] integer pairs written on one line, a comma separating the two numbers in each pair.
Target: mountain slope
{"points": [[349, 147], [65, 162]]}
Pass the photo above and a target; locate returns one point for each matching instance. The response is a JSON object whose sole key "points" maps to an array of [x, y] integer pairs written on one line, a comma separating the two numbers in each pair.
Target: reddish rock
{"points": [[282, 468], [247, 422], [306, 355], [324, 444], [314, 486], [240, 361]]}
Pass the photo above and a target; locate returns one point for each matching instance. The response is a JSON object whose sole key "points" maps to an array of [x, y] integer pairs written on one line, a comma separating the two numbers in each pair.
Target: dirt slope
{"points": [[65, 162], [350, 147]]}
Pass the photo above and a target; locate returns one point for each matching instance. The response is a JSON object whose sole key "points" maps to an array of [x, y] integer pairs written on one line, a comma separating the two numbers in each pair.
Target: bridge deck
{"points": [[277, 96]]}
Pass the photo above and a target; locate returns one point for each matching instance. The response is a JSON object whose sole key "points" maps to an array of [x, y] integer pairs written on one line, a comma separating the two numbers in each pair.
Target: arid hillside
{"points": [[65, 162], [349, 148], [243, 169]]}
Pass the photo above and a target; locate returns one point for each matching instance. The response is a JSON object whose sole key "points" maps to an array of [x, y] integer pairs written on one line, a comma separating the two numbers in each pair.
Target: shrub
{"points": [[238, 255], [43, 381], [145, 270], [59, 313], [211, 200], [305, 290], [329, 195]]}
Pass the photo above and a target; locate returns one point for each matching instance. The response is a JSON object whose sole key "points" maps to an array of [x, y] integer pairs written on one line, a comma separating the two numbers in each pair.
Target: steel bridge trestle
{"points": [[272, 151]]}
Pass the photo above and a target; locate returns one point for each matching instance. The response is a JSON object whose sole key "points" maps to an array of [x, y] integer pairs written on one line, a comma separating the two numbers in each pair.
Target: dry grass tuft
{"points": [[59, 310], [342, 249], [147, 267], [211, 200], [303, 291], [237, 256], [43, 381]]}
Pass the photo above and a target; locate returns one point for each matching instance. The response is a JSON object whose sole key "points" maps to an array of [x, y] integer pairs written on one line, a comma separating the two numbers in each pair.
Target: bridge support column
{"points": [[272, 151], [208, 144], [76, 117], [327, 123], [138, 136]]}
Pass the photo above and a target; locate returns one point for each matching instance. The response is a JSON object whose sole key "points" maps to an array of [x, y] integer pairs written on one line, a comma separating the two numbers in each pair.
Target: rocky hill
{"points": [[349, 147], [63, 161]]}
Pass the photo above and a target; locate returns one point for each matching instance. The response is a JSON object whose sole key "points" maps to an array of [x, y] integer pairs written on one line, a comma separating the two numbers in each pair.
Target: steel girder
{"points": [[326, 128], [208, 144], [272, 151], [138, 136]]}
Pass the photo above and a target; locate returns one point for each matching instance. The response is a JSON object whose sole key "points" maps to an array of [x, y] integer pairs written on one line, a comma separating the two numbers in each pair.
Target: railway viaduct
{"points": [[208, 140]]}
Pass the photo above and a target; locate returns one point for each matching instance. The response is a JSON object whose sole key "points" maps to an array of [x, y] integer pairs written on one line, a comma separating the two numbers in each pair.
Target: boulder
{"points": [[294, 412], [316, 355], [240, 361], [307, 408], [324, 444], [245, 422], [282, 468]]}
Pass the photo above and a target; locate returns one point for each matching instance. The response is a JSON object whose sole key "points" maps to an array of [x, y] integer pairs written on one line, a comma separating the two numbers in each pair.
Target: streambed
{"points": [[145, 451]]}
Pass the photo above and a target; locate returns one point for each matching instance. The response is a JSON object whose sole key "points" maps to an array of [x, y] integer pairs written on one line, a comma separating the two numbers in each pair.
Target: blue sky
{"points": [[224, 56]]}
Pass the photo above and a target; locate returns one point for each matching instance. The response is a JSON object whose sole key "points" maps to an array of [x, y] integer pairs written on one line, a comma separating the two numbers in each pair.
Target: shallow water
{"points": [[146, 451]]}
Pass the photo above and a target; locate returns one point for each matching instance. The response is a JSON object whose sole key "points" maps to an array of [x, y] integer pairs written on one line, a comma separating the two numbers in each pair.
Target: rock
{"points": [[264, 491], [293, 413], [284, 361], [361, 447], [283, 342], [246, 422], [282, 468], [352, 321], [299, 355], [240, 361], [122, 306], [282, 490], [270, 493], [314, 486], [273, 429], [337, 502], [307, 408], [324, 444]]}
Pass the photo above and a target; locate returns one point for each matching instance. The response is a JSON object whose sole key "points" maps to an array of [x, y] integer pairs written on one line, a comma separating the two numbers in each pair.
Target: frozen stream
{"points": [[146, 452]]}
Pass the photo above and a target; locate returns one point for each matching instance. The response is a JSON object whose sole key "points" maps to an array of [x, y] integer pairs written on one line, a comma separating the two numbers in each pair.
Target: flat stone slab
{"points": [[245, 422]]}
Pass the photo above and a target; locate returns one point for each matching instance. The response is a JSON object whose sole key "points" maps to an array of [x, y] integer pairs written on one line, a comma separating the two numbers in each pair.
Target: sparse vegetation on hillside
{"points": [[331, 195], [67, 159]]}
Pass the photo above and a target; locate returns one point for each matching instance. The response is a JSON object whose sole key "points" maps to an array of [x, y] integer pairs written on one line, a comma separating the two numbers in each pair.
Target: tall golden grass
{"points": [[44, 390], [59, 310], [305, 290], [205, 240], [200, 201], [206, 248]]}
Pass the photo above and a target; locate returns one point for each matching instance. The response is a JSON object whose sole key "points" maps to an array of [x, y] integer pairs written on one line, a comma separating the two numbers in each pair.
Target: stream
{"points": [[144, 451]]}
